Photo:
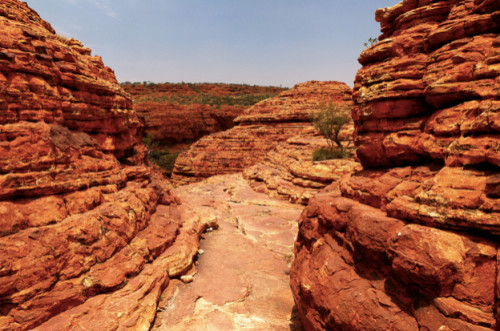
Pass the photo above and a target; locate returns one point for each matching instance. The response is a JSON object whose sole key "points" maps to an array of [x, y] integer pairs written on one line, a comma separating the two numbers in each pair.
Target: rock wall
{"points": [[288, 171], [411, 242], [85, 242], [259, 130], [173, 124], [185, 112], [47, 78]]}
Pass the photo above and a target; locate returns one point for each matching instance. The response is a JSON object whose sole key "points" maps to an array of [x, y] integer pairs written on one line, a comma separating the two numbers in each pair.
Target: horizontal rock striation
{"points": [[288, 171], [411, 241], [173, 124], [430, 86], [85, 241], [47, 78], [259, 130], [185, 112]]}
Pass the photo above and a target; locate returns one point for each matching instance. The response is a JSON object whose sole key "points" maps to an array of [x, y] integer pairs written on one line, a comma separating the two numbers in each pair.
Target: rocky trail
{"points": [[241, 278]]}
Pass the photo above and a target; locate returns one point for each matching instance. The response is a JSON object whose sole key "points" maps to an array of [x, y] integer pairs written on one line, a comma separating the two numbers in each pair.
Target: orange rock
{"points": [[259, 130], [432, 70], [288, 171], [411, 242], [85, 241], [48, 78], [370, 270], [176, 113], [171, 123]]}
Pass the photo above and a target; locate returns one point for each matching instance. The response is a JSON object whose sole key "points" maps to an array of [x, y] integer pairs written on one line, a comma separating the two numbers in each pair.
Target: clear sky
{"points": [[263, 42]]}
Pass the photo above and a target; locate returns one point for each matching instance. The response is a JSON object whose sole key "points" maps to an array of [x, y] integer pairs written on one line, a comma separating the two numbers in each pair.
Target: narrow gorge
{"points": [[250, 233]]}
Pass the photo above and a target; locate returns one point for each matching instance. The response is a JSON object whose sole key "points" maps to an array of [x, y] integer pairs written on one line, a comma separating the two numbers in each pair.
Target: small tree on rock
{"points": [[371, 41], [329, 120]]}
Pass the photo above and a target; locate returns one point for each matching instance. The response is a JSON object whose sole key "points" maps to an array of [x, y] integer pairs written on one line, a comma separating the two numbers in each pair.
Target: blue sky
{"points": [[264, 42]]}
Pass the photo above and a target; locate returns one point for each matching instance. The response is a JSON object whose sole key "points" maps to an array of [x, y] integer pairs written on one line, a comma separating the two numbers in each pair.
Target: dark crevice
{"points": [[486, 167]]}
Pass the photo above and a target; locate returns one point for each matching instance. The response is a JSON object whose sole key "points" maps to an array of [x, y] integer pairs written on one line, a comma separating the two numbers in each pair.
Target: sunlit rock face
{"points": [[411, 242], [48, 78], [85, 241], [171, 123], [175, 113], [259, 130], [288, 171]]}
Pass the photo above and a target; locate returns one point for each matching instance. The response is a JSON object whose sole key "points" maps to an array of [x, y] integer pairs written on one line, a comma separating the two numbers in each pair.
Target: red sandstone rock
{"points": [[356, 268], [411, 242], [172, 123], [176, 113], [288, 171], [85, 241], [45, 77], [259, 130], [242, 278], [445, 87]]}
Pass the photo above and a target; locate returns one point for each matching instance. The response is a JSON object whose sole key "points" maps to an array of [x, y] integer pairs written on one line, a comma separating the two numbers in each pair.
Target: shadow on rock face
{"points": [[295, 322]]}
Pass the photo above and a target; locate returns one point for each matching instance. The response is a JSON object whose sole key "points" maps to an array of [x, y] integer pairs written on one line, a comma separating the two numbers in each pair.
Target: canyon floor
{"points": [[241, 281]]}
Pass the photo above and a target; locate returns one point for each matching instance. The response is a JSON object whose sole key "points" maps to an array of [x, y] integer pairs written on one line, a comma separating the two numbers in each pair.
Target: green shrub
{"points": [[208, 99], [149, 140], [167, 161], [160, 155], [371, 42], [329, 120], [322, 154]]}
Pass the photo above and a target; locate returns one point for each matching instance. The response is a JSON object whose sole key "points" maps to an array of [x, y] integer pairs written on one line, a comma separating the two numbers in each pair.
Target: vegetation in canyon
{"points": [[404, 236], [163, 109], [328, 121], [160, 154], [371, 41], [211, 94]]}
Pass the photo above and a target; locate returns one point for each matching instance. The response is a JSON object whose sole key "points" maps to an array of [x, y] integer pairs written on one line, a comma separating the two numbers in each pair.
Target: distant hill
{"points": [[212, 94]]}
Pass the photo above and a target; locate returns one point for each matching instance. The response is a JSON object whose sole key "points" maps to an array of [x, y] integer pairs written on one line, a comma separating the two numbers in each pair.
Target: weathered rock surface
{"points": [[241, 280], [47, 78], [411, 242], [430, 87], [85, 242], [357, 268], [172, 124], [176, 113], [259, 130], [288, 171]]}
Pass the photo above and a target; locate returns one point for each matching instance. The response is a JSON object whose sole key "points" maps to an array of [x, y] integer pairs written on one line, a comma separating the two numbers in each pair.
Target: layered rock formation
{"points": [[173, 124], [47, 78], [176, 113], [411, 242], [288, 172], [259, 130], [85, 242]]}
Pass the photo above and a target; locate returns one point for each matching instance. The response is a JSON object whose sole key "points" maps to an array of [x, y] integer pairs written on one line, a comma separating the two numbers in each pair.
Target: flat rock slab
{"points": [[241, 279]]}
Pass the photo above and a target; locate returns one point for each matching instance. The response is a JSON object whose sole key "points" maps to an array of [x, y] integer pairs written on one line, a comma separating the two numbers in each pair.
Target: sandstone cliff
{"points": [[85, 242], [176, 113], [412, 242], [259, 130], [48, 78], [288, 171]]}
